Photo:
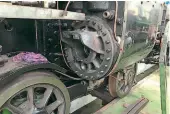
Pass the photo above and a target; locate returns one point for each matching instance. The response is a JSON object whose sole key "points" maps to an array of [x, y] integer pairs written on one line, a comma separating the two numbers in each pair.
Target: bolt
{"points": [[105, 65], [49, 24], [56, 59], [65, 24], [104, 34], [76, 36], [93, 22], [88, 20], [83, 82], [55, 32], [108, 50], [66, 55], [49, 54], [50, 40], [99, 27], [108, 59], [107, 42], [101, 71], [55, 46]]}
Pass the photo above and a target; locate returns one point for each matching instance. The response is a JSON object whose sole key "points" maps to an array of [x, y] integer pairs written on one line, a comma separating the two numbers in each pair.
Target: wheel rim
{"points": [[36, 99], [121, 84]]}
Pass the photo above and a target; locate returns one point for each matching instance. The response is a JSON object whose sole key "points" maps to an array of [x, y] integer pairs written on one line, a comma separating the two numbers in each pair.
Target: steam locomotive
{"points": [[97, 46]]}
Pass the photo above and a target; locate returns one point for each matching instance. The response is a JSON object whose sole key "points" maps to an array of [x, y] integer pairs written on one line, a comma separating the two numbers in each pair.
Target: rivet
{"points": [[108, 50], [81, 74], [108, 58], [76, 71], [107, 42], [105, 65], [55, 46]]}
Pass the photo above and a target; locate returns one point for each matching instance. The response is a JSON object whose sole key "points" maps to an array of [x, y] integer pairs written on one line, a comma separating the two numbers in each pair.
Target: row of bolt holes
{"points": [[148, 1]]}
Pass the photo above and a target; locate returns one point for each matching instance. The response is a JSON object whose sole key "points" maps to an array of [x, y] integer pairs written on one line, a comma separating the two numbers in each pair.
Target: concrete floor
{"points": [[97, 104]]}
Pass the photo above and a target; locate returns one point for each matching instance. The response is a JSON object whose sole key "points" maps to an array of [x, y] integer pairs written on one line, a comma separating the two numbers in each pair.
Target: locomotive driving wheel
{"points": [[35, 93], [121, 82], [93, 51]]}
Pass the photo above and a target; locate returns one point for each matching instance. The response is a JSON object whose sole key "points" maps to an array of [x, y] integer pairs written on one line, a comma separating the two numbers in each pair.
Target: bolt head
{"points": [[107, 58], [106, 65], [108, 50], [101, 71], [55, 32], [104, 34], [107, 42]]}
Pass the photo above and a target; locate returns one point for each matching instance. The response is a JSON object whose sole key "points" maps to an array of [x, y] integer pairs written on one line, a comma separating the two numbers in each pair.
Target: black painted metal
{"points": [[103, 49], [43, 36], [142, 23]]}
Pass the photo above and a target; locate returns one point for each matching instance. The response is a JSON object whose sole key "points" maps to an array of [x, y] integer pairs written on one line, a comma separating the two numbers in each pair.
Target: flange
{"points": [[85, 62]]}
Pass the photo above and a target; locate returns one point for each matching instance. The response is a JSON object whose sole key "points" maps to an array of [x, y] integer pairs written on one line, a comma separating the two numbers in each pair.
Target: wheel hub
{"points": [[92, 56]]}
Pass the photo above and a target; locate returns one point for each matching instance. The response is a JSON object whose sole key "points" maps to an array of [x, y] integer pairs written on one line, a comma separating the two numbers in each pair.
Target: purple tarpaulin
{"points": [[29, 57]]}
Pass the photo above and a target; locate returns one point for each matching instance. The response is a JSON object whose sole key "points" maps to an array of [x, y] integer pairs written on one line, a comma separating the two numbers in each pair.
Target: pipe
{"points": [[109, 14], [114, 30], [65, 10]]}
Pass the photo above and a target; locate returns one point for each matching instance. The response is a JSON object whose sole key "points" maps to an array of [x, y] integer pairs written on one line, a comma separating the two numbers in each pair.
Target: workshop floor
{"points": [[149, 90]]}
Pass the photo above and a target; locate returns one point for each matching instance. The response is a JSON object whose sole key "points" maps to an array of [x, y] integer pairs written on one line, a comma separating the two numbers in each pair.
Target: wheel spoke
{"points": [[96, 63], [89, 66], [120, 86], [60, 109], [43, 102], [13, 109], [53, 106], [30, 97]]}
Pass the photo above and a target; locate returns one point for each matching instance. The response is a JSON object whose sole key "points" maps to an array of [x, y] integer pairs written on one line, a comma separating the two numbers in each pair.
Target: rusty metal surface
{"points": [[136, 107], [24, 12]]}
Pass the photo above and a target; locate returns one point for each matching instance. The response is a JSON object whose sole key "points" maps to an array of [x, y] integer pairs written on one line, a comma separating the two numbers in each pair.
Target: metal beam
{"points": [[26, 12]]}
